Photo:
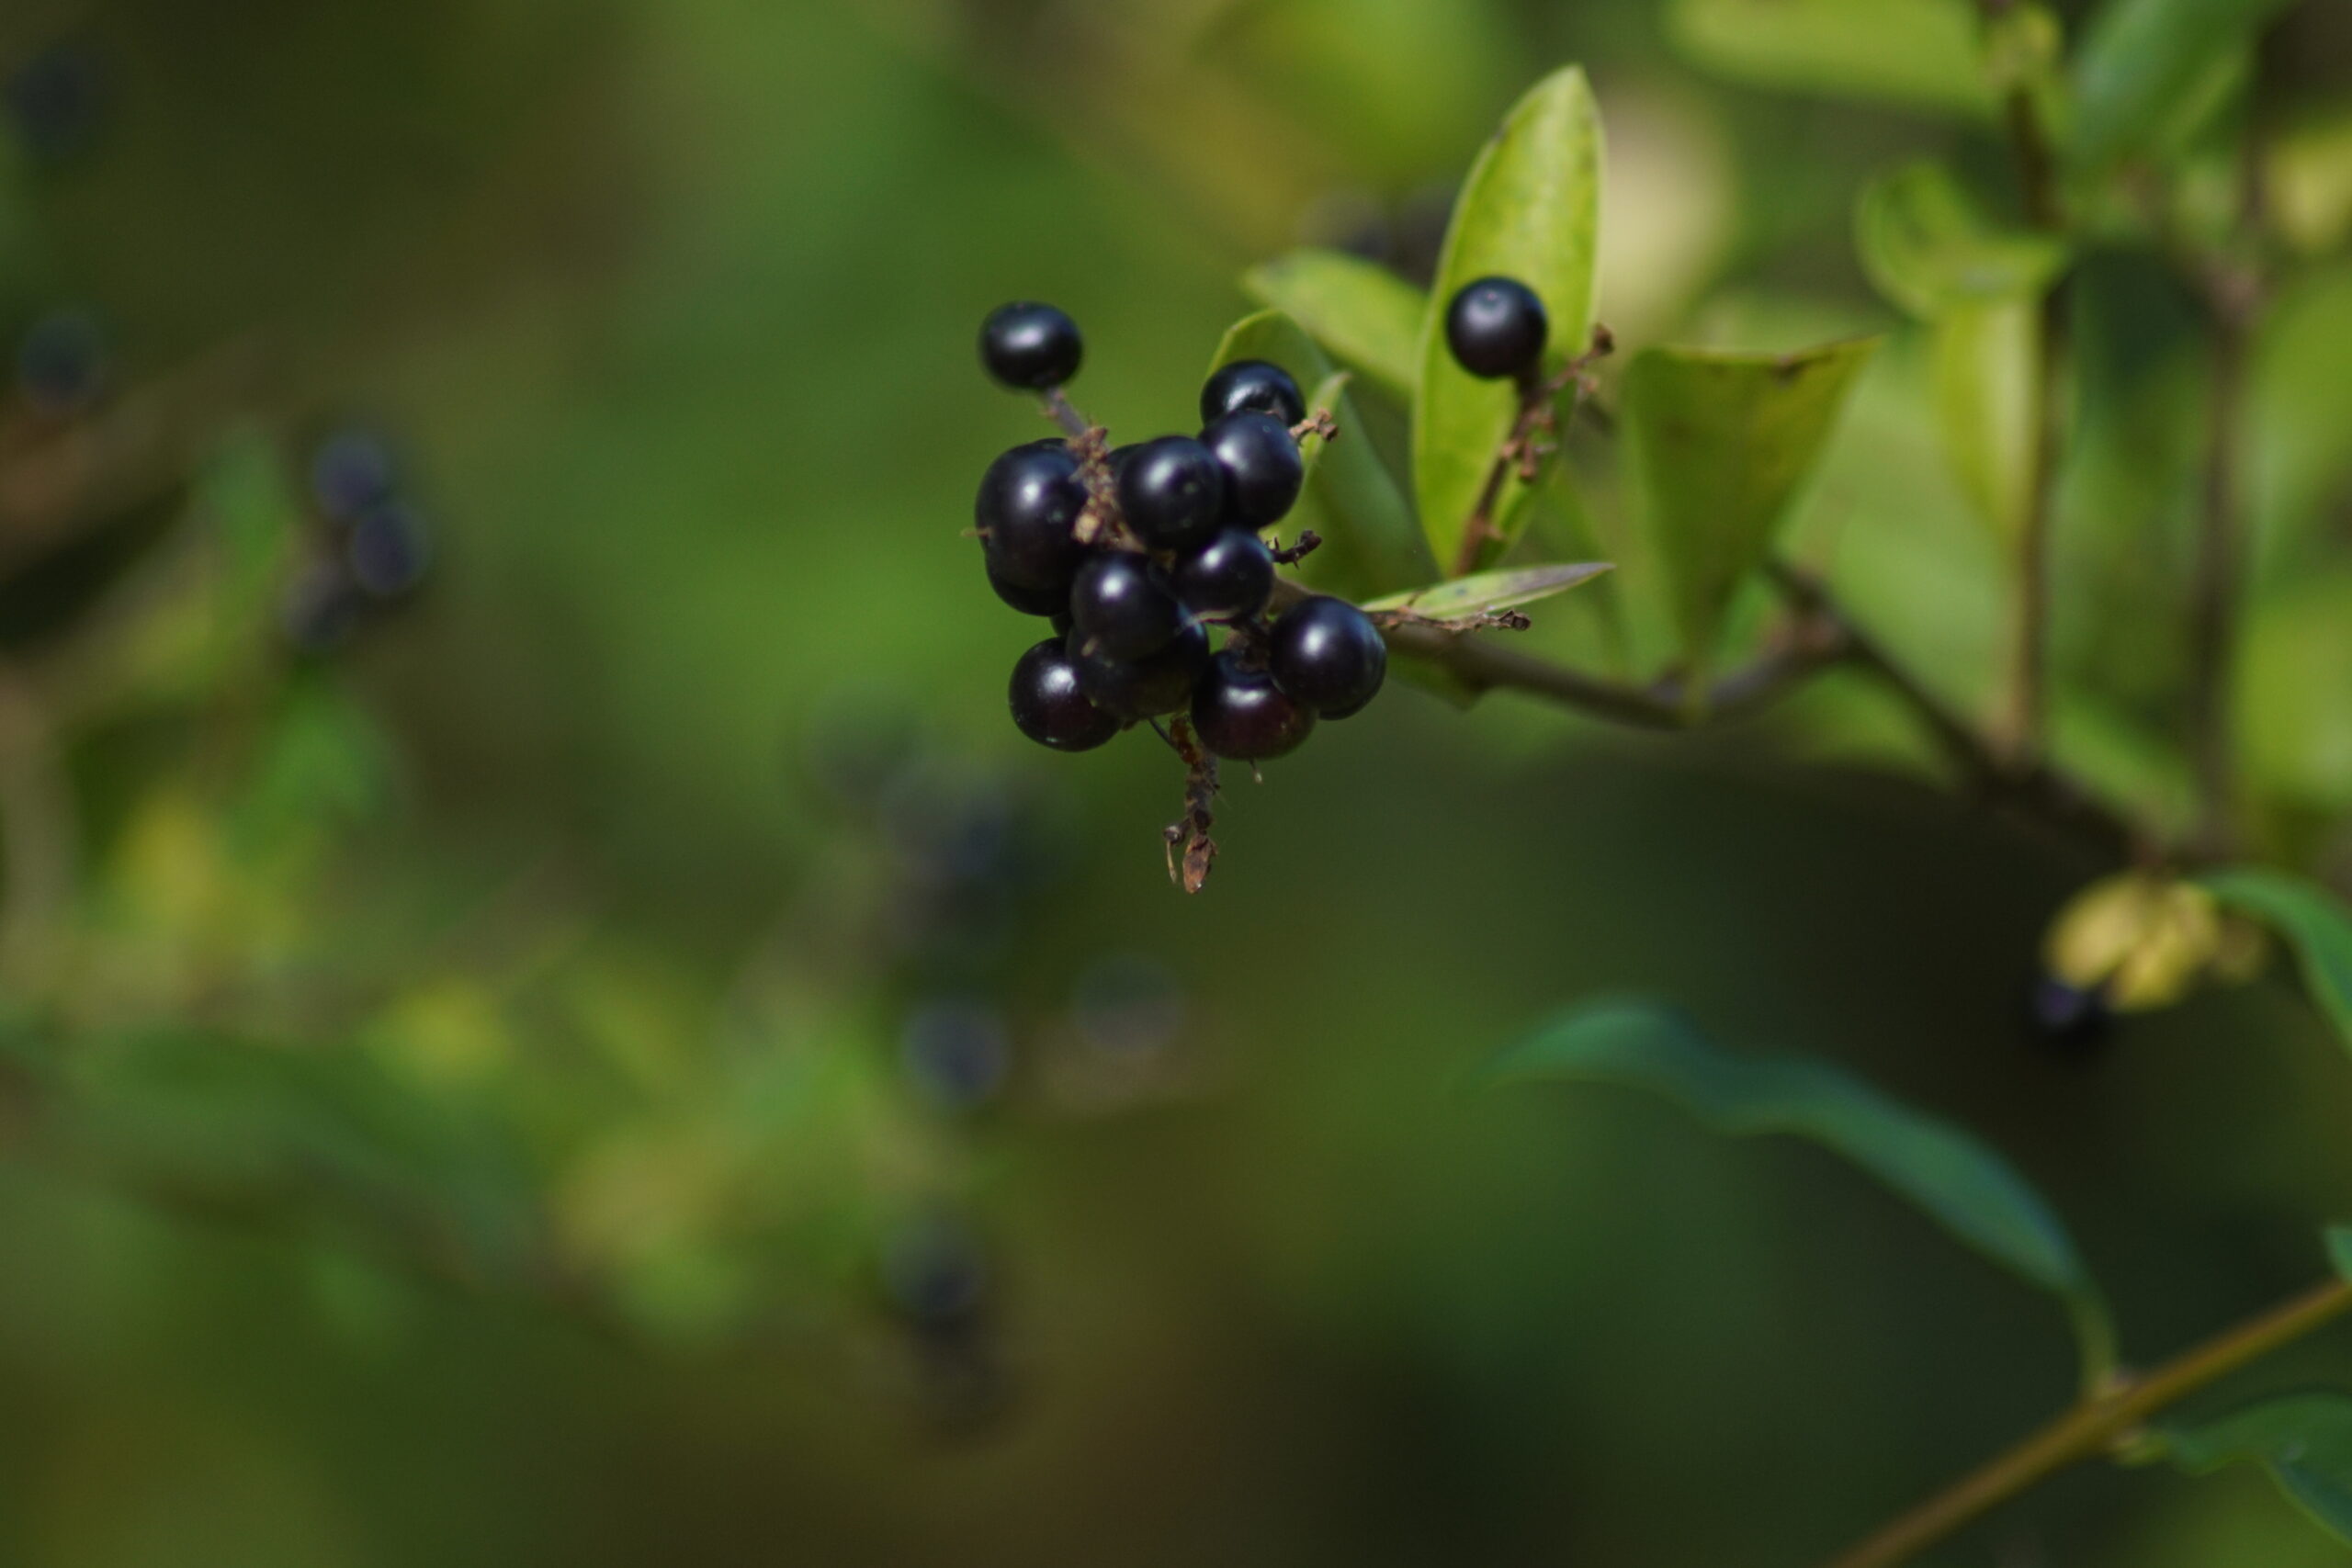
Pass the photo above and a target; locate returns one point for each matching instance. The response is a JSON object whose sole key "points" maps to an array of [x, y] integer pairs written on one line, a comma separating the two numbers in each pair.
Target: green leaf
{"points": [[1925, 54], [1370, 543], [1927, 246], [1966, 1188], [2339, 1251], [1490, 591], [2304, 1440], [1722, 442], [2141, 59], [1364, 316], [1988, 399], [2313, 922], [1531, 209]]}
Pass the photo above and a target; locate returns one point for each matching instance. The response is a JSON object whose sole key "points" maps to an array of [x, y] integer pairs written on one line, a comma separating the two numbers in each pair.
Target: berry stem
{"points": [[1524, 450], [2097, 1424]]}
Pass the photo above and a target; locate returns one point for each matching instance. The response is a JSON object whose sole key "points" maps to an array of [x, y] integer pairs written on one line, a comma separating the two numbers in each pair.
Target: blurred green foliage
{"points": [[509, 1081]]}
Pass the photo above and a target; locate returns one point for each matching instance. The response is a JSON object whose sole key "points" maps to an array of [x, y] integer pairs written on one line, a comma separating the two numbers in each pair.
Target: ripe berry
{"points": [[1173, 492], [352, 473], [1252, 386], [1122, 607], [2071, 1020], [1240, 714], [1048, 706], [1230, 577], [1030, 601], [1328, 655], [389, 551], [1263, 470], [1028, 505], [1031, 348], [1132, 689], [1496, 328], [955, 1051]]}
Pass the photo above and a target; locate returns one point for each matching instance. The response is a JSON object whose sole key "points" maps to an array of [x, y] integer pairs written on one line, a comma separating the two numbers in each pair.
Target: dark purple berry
{"points": [[1263, 470], [1173, 492], [389, 551], [1240, 714], [1031, 601], [1496, 328], [1048, 706], [1229, 578], [2069, 1019], [1328, 655], [954, 1052], [352, 473], [1121, 605], [1134, 689], [1026, 512], [1031, 348], [1252, 386]]}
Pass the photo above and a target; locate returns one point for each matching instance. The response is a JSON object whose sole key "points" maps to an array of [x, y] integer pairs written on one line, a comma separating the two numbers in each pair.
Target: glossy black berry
{"points": [[1031, 348], [1132, 689], [1026, 510], [1252, 386], [1121, 605], [1173, 492], [2069, 1019], [1228, 578], [1263, 470], [389, 551], [1031, 601], [1496, 328], [1241, 714], [352, 473], [1048, 706], [1328, 655]]}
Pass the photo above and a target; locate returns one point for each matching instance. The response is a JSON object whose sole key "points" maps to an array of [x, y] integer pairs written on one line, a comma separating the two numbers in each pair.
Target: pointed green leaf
{"points": [[2304, 1442], [1720, 444], [1926, 245], [1351, 501], [2313, 922], [2142, 60], [1925, 54], [1966, 1188], [1531, 209], [1490, 591], [1988, 399], [1366, 316]]}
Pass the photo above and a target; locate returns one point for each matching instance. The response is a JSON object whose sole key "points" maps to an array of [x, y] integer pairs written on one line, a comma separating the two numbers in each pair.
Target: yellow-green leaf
{"points": [[1721, 445], [1531, 209], [2304, 1440], [1989, 401], [1928, 247], [1925, 54], [2143, 59], [1364, 316], [1492, 590]]}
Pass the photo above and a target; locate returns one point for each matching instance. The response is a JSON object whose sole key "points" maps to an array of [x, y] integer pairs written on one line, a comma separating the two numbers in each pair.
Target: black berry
{"points": [[1132, 689], [1228, 578], [1252, 386], [1122, 608], [1031, 601], [1496, 328], [352, 473], [1173, 492], [1328, 655], [1031, 348], [955, 1051], [2069, 1019], [389, 551], [1048, 706], [1026, 512], [1240, 714], [1263, 470]]}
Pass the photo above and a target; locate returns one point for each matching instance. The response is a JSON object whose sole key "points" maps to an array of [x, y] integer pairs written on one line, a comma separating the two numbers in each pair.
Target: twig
{"points": [[1192, 853], [1309, 541], [1525, 448], [2096, 1424]]}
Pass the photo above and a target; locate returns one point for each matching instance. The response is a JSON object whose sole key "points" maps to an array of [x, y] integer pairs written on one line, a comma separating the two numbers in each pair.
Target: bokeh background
{"points": [[626, 1056]]}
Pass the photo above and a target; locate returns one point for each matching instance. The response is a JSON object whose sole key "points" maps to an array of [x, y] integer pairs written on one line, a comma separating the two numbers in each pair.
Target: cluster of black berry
{"points": [[1137, 552], [373, 551]]}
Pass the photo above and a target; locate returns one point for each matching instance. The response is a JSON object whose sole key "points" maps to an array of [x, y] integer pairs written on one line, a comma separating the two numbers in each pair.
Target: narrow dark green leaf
{"points": [[2142, 60], [1957, 1182], [2313, 922], [1370, 545], [1531, 209], [1490, 591], [1925, 54], [2304, 1442], [1366, 316], [1928, 247], [1722, 442]]}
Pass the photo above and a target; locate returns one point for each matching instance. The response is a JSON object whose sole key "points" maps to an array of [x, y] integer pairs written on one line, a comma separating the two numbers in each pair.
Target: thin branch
{"points": [[2096, 1425], [1524, 450], [2028, 717]]}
